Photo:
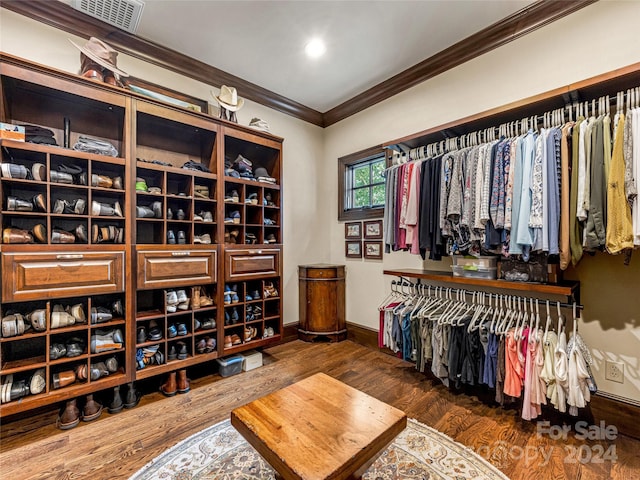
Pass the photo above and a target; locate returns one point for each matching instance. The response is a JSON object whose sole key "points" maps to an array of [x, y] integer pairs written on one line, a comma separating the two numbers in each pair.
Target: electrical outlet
{"points": [[614, 371]]}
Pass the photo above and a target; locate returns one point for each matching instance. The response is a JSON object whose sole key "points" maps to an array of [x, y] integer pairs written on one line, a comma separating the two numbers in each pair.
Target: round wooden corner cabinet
{"points": [[322, 309]]}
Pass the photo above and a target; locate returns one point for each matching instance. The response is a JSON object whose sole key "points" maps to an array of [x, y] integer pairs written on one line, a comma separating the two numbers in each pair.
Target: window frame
{"points": [[344, 164]]}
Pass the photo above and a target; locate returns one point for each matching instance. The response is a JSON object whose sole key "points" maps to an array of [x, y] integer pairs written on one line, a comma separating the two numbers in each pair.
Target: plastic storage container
{"points": [[230, 366], [252, 359], [472, 271], [480, 262]]}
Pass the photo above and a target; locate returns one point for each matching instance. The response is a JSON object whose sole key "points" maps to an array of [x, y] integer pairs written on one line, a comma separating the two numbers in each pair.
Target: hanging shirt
{"points": [[594, 233], [575, 227], [562, 376], [565, 195], [524, 233], [551, 207], [548, 373]]}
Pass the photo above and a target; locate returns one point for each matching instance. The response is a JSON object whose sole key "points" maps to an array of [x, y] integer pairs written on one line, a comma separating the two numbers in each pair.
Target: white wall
{"points": [[594, 40], [304, 237]]}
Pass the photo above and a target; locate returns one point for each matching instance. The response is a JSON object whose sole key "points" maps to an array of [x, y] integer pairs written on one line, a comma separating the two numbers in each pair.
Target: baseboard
{"points": [[624, 416]]}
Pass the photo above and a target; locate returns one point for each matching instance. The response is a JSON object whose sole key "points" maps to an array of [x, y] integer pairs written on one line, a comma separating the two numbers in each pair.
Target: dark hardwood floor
{"points": [[115, 446]]}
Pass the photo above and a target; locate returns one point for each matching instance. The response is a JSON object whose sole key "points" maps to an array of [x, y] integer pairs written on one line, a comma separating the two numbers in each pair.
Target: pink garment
{"points": [[522, 350], [404, 196], [513, 367], [413, 210]]}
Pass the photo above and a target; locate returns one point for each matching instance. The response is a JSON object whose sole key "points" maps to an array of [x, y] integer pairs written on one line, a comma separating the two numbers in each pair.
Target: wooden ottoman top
{"points": [[319, 428]]}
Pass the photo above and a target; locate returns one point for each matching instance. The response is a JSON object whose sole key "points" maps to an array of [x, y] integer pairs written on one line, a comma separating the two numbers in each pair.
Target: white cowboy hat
{"points": [[229, 98], [101, 53]]}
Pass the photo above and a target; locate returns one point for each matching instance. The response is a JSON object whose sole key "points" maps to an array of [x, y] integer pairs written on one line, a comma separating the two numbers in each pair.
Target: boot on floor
{"points": [[183, 382]]}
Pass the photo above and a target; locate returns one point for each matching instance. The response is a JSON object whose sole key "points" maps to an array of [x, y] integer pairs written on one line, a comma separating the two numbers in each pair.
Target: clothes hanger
{"points": [[560, 318]]}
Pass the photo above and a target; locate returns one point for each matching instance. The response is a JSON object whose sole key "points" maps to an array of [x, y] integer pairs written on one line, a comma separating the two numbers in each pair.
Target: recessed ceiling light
{"points": [[315, 48]]}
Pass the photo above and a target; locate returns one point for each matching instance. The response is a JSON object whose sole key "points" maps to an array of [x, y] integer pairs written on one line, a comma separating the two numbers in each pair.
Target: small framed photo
{"points": [[373, 230], [353, 249], [373, 250], [353, 230]]}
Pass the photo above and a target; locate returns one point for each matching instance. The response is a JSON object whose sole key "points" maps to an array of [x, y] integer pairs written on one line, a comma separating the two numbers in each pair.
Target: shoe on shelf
{"points": [[81, 233], [181, 295], [227, 341], [182, 237], [14, 170], [207, 217], [252, 199], [235, 216], [62, 236], [180, 215], [169, 214], [268, 332], [40, 233], [16, 235], [198, 217], [201, 191], [171, 237], [105, 209], [205, 239], [182, 350], [271, 238], [235, 317], [155, 333], [141, 185], [201, 346], [235, 339], [156, 207], [141, 336], [143, 211], [172, 331], [173, 354], [182, 329]]}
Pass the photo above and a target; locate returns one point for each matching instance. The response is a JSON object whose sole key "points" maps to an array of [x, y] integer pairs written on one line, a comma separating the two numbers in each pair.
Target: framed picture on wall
{"points": [[373, 230], [373, 250], [353, 249], [353, 230]]}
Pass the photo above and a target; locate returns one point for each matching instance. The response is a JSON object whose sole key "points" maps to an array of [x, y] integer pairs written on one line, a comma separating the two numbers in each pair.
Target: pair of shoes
{"points": [[107, 233], [231, 340], [105, 209], [250, 238], [271, 238], [203, 216], [176, 301], [76, 206], [181, 239], [205, 238], [252, 199], [268, 221], [231, 236], [250, 333], [206, 324], [249, 314], [268, 332], [270, 290], [253, 295], [206, 345], [37, 203]]}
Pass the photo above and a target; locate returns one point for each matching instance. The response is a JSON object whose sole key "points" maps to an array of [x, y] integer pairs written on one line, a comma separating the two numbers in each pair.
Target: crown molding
{"points": [[504, 31], [530, 18]]}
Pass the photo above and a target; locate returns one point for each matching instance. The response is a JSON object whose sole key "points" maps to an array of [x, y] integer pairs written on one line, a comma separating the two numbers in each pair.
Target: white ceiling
{"points": [[367, 41]]}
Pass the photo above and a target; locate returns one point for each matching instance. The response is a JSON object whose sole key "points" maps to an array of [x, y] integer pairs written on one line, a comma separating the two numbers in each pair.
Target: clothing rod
{"points": [[540, 118], [407, 283]]}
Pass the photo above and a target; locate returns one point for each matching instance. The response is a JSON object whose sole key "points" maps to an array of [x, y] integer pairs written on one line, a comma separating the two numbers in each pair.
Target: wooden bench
{"points": [[319, 428]]}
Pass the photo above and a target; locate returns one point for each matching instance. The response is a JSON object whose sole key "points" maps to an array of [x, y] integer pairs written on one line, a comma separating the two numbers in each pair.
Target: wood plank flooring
{"points": [[115, 446]]}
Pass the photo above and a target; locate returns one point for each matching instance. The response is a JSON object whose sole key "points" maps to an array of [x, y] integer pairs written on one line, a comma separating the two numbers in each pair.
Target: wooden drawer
{"points": [[34, 276], [250, 263], [176, 268]]}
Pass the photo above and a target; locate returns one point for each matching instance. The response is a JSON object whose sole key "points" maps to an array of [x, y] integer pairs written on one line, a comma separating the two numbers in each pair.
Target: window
{"points": [[361, 184]]}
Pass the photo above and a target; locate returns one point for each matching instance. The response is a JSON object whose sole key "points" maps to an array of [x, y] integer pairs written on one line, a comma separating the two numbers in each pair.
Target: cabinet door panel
{"points": [[168, 269], [34, 276], [251, 263]]}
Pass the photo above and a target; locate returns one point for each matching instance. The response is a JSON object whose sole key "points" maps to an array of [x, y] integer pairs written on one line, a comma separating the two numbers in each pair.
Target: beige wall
{"points": [[596, 39], [303, 196]]}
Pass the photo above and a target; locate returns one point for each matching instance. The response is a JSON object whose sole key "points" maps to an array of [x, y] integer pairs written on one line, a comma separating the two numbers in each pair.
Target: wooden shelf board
{"points": [[567, 288], [66, 152], [16, 366]]}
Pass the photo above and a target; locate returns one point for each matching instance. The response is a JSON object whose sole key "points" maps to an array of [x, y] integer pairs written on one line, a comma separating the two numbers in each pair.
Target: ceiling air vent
{"points": [[124, 14]]}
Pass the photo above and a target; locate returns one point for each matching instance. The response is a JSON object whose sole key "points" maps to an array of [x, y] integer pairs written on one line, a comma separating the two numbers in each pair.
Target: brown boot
{"points": [[16, 235], [70, 416], [63, 379], [183, 381], [92, 409], [169, 387], [195, 297]]}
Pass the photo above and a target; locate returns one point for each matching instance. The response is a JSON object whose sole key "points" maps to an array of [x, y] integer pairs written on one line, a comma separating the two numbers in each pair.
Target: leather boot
{"points": [[81, 233], [107, 340], [116, 404], [133, 397], [169, 387], [16, 235], [182, 384], [19, 205], [104, 209], [39, 202], [101, 181], [92, 409], [70, 416], [61, 236], [195, 297], [63, 379]]}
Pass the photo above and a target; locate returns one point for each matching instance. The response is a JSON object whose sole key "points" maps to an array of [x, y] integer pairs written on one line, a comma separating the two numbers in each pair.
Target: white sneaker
{"points": [[182, 296], [172, 298]]}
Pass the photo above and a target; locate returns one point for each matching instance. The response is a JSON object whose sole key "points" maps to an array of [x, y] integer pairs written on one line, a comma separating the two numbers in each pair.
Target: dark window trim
{"points": [[343, 164]]}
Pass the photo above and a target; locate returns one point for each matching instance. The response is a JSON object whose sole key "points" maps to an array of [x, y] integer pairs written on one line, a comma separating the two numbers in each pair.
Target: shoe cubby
{"points": [[97, 229]]}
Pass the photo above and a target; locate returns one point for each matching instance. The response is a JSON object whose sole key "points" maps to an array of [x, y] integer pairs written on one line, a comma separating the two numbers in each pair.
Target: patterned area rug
{"points": [[221, 453]]}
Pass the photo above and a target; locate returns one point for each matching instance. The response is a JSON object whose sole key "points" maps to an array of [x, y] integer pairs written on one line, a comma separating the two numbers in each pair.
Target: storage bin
{"points": [[474, 272], [470, 261], [230, 366], [252, 359]]}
